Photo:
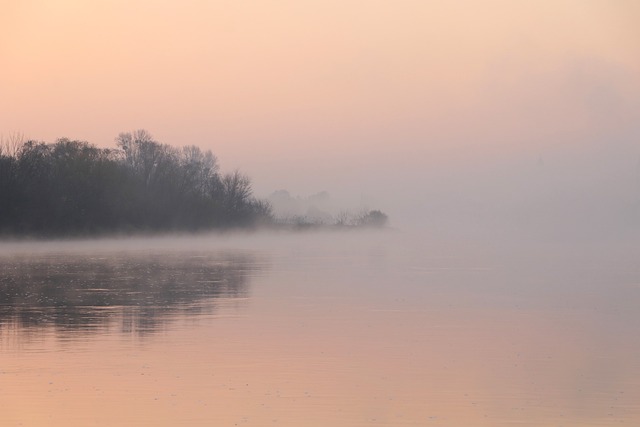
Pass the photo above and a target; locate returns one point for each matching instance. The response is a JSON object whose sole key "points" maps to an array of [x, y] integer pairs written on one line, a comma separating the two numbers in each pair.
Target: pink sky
{"points": [[353, 97]]}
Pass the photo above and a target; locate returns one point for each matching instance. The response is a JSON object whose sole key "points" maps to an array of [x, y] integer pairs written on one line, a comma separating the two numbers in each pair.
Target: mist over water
{"points": [[141, 290], [585, 190], [341, 328], [501, 138]]}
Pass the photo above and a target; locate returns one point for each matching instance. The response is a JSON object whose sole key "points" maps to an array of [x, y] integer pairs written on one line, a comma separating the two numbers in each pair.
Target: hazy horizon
{"points": [[438, 113]]}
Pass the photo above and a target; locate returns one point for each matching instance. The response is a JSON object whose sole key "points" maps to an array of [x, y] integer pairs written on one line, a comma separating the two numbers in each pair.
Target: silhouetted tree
{"points": [[374, 218], [74, 187]]}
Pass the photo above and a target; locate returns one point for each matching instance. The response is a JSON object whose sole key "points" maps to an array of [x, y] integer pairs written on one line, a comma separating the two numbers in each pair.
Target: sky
{"points": [[434, 111]]}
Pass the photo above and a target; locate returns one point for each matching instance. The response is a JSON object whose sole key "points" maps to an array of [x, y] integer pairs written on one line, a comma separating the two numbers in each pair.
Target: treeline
{"points": [[343, 220], [73, 187], [315, 212]]}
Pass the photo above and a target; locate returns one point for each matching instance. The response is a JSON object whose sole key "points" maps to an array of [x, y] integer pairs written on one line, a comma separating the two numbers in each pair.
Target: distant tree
{"points": [[10, 145], [236, 195], [8, 189], [143, 155], [343, 218], [262, 211], [76, 197], [199, 170], [374, 218], [74, 187], [34, 195]]}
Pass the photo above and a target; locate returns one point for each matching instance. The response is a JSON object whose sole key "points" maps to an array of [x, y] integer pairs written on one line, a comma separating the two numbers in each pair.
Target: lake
{"points": [[312, 329]]}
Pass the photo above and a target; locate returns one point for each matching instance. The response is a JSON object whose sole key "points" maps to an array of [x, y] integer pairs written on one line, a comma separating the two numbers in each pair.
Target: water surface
{"points": [[348, 329]]}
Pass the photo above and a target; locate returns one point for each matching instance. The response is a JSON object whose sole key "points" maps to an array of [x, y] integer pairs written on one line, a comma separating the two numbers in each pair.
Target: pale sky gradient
{"points": [[421, 108]]}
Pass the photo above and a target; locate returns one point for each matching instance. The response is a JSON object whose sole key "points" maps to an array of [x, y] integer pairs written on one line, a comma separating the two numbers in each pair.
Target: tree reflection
{"points": [[140, 291]]}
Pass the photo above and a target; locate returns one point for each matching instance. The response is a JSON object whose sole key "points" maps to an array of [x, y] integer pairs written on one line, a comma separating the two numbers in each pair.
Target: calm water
{"points": [[386, 329]]}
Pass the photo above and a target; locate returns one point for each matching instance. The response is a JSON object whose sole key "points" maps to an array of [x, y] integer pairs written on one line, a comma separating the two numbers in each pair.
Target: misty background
{"points": [[485, 117]]}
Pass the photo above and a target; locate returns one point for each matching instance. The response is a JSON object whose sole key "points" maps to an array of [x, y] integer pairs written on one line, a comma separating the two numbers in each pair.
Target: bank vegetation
{"points": [[73, 188]]}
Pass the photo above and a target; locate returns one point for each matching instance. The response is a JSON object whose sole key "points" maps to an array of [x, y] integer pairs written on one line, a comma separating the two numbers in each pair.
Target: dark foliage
{"points": [[73, 187], [374, 218]]}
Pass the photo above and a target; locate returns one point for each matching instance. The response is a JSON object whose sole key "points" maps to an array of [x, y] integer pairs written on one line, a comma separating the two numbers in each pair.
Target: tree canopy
{"points": [[74, 187]]}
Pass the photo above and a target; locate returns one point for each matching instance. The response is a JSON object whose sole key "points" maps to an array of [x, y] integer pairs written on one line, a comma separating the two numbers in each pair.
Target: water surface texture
{"points": [[352, 329]]}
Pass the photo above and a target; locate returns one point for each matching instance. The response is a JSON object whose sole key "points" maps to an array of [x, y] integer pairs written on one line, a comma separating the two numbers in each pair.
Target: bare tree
{"points": [[343, 218], [10, 145], [199, 168], [237, 190]]}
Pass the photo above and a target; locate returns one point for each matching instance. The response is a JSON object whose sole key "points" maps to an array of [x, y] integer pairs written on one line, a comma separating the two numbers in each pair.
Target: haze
{"points": [[464, 114]]}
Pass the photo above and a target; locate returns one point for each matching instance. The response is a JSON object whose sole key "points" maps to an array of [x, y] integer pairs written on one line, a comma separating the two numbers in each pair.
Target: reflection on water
{"points": [[139, 290], [340, 330]]}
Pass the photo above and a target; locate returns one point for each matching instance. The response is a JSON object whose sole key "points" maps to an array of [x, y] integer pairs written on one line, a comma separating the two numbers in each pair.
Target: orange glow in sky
{"points": [[306, 85]]}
